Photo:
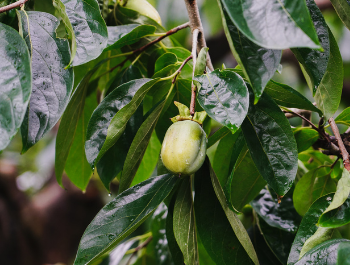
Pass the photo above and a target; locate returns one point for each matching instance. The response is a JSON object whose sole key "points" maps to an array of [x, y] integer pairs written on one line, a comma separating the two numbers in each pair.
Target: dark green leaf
{"points": [[273, 24], [121, 217], [69, 124], [308, 226], [279, 241], [201, 62], [323, 254], [218, 135], [271, 144], [120, 36], [258, 64], [165, 60], [305, 138], [246, 181], [184, 223], [343, 254], [224, 96], [343, 10], [329, 91], [213, 228], [51, 84], [138, 148], [280, 215], [90, 30], [337, 217], [314, 184], [288, 97], [235, 222], [15, 83], [343, 117], [315, 62], [77, 167]]}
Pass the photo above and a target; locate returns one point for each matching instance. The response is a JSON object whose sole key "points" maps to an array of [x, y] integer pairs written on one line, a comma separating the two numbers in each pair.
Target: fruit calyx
{"points": [[184, 114]]}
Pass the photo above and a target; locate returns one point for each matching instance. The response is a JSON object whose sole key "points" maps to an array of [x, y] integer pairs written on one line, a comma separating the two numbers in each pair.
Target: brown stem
{"points": [[180, 68], [12, 6], [194, 56], [196, 23], [341, 145], [144, 244]]}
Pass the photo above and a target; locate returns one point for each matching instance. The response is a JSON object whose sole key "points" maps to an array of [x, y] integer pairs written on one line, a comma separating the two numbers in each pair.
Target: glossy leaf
{"points": [[329, 91], [246, 181], [120, 36], [314, 184], [308, 226], [165, 60], [288, 97], [235, 223], [315, 62], [343, 117], [201, 62], [15, 83], [218, 135], [337, 217], [51, 84], [343, 254], [224, 96], [258, 64], [271, 144], [69, 124], [288, 24], [90, 30], [184, 223], [343, 9], [323, 254], [103, 115], [213, 228], [279, 241], [280, 215], [305, 138], [118, 253], [138, 148], [121, 217]]}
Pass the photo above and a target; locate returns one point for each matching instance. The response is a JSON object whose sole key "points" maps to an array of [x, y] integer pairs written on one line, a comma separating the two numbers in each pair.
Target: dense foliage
{"points": [[267, 193]]}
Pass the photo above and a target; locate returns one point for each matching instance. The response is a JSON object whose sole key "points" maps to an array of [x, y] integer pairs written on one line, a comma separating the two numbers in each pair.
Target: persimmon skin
{"points": [[184, 147]]}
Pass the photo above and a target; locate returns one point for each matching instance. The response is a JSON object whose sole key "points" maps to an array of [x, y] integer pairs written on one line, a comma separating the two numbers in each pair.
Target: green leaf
{"points": [[305, 138], [184, 223], [343, 10], [314, 184], [201, 62], [344, 117], [224, 96], [279, 241], [246, 181], [235, 223], [138, 148], [120, 36], [77, 167], [343, 254], [315, 62], [258, 64], [149, 160], [288, 97], [308, 226], [90, 30], [121, 217], [329, 91], [280, 215], [69, 124], [115, 110], [323, 254], [340, 196], [217, 136], [15, 83], [165, 60], [51, 84], [273, 24], [213, 228], [271, 144]]}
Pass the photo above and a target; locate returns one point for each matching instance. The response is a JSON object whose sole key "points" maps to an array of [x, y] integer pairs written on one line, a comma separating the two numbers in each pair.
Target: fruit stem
{"points": [[194, 58], [12, 6]]}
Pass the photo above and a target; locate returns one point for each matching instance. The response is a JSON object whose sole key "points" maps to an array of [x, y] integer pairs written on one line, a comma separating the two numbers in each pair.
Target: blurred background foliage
{"points": [[40, 223]]}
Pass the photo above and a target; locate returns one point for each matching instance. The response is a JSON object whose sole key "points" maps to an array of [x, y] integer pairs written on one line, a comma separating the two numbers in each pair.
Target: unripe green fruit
{"points": [[143, 7], [184, 147]]}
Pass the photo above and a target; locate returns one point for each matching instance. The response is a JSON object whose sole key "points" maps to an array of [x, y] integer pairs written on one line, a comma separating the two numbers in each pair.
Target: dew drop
{"points": [[329, 198], [110, 194]]}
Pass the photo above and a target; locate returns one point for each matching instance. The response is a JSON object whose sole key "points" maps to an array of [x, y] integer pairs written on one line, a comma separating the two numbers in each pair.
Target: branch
{"points": [[341, 145], [180, 68], [196, 23], [144, 244], [12, 6], [194, 56]]}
